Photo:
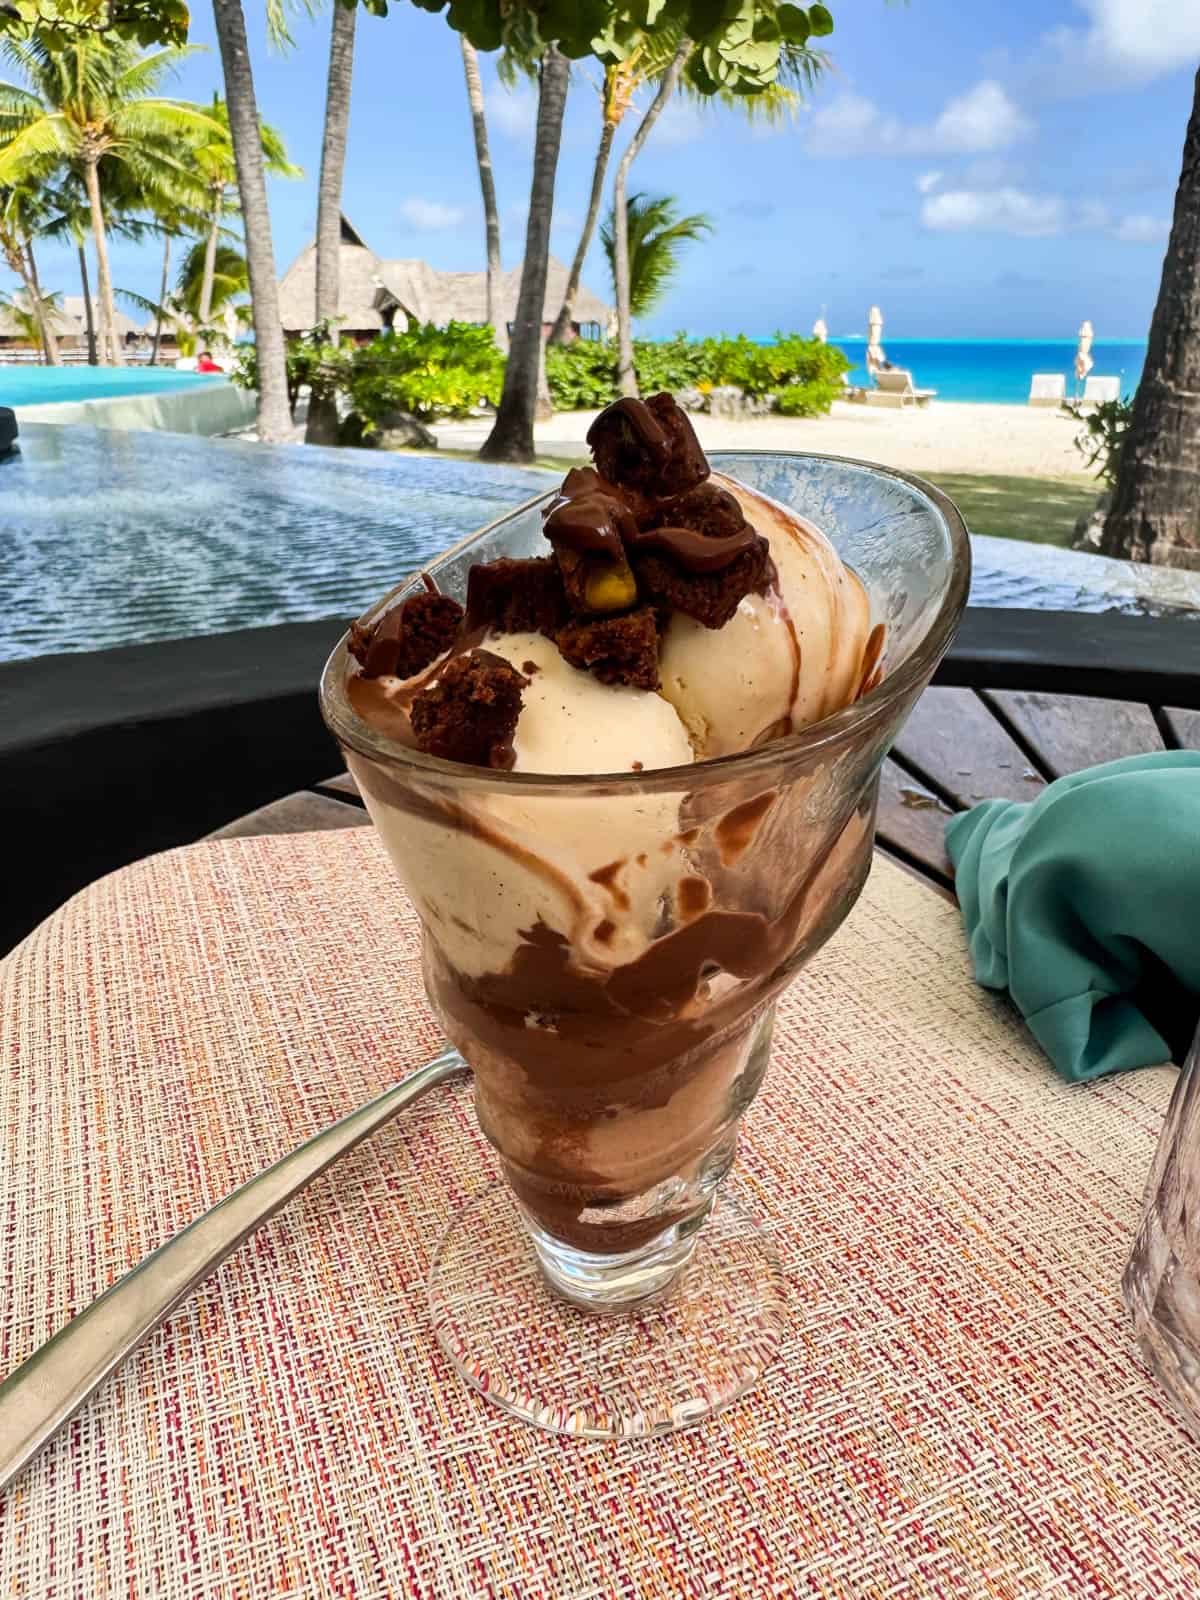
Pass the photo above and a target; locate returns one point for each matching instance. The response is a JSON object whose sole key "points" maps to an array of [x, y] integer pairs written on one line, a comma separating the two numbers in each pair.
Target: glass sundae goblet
{"points": [[606, 951]]}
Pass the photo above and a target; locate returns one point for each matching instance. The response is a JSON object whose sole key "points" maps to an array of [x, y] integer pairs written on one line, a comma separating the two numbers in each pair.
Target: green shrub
{"points": [[671, 364], [582, 375], [805, 374], [427, 371], [1099, 440], [312, 363]]}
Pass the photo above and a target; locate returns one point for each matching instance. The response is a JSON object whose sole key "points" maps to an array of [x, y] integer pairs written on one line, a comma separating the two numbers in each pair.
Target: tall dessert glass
{"points": [[606, 952]]}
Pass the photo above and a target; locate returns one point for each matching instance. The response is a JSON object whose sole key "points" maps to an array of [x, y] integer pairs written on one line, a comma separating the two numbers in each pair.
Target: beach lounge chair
{"points": [[1047, 389], [1097, 390], [895, 388]]}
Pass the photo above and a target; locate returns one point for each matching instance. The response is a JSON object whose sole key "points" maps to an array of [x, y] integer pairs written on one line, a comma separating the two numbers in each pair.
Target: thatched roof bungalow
{"points": [[67, 321], [374, 294]]}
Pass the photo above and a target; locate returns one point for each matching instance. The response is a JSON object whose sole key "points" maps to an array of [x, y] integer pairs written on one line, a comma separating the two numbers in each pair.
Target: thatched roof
{"points": [[369, 287], [358, 270], [73, 310], [61, 324], [429, 296]]}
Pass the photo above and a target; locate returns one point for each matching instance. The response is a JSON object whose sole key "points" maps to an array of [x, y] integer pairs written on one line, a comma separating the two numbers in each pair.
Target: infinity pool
{"points": [[46, 386], [111, 538]]}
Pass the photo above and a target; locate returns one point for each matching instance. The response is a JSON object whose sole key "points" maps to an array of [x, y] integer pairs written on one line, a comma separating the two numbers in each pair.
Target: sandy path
{"points": [[947, 437]]}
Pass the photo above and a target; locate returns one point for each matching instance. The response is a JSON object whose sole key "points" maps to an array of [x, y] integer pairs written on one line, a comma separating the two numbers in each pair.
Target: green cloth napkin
{"points": [[1085, 905]]}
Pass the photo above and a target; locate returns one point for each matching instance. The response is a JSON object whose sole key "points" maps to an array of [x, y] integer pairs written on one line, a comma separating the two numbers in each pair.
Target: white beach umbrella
{"points": [[820, 331], [875, 355], [1083, 355]]}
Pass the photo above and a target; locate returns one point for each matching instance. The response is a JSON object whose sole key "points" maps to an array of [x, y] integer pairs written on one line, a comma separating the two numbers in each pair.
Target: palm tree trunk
{"points": [[561, 330], [487, 186], [322, 426], [274, 417], [89, 315], [210, 259], [162, 297], [511, 439], [108, 314], [44, 316], [1155, 513], [626, 376]]}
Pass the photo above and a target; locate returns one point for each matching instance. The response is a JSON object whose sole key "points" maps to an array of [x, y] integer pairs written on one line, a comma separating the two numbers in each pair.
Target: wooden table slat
{"points": [[955, 744], [912, 822], [1185, 726], [1066, 733]]}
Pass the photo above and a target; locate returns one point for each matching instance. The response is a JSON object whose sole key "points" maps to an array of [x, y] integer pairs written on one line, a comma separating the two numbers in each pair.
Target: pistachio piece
{"points": [[610, 586]]}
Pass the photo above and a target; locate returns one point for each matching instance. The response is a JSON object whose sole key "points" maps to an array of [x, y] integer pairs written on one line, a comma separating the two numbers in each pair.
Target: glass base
{"points": [[714, 1323]]}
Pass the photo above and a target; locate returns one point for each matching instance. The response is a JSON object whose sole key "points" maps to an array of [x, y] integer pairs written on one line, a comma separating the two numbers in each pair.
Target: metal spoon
{"points": [[46, 1390]]}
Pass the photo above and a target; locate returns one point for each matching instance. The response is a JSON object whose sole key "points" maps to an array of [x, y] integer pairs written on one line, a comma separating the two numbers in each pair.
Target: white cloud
{"points": [[1124, 39], [1142, 229], [928, 181], [993, 211], [1030, 215], [513, 111], [431, 214], [982, 118]]}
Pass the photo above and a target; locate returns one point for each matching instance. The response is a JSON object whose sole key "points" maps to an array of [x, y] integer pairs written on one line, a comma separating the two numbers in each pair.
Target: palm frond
{"points": [[279, 15], [656, 236], [33, 148], [143, 76]]}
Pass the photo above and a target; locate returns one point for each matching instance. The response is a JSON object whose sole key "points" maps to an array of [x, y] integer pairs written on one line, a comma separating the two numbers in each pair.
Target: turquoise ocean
{"points": [[996, 370]]}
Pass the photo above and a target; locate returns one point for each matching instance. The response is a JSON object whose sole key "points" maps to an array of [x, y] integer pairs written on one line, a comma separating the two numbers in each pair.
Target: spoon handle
{"points": [[47, 1389]]}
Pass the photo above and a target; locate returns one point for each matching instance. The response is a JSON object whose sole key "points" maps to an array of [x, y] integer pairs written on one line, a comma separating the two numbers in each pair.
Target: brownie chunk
{"points": [[648, 447], [470, 713], [710, 597], [615, 649], [516, 596], [706, 509], [408, 637]]}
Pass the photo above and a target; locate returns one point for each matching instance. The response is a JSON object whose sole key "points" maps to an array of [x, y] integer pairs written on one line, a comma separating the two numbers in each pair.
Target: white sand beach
{"points": [[947, 437]]}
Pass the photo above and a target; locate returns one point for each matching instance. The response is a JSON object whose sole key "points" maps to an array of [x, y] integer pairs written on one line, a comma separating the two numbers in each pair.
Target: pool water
{"points": [[112, 538], [109, 537], [45, 386]]}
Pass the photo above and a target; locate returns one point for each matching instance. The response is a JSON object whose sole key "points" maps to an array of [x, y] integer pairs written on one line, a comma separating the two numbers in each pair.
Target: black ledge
{"points": [[109, 755]]}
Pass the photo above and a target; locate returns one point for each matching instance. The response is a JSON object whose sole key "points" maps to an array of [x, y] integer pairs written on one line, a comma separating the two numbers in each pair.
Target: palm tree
{"points": [[626, 377], [322, 423], [487, 184], [215, 162], [655, 233], [32, 316], [21, 216], [511, 438], [1155, 513], [221, 272], [646, 62], [621, 78], [274, 413], [89, 102]]}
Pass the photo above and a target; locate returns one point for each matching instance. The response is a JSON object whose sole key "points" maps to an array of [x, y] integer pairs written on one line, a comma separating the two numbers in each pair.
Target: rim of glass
{"points": [[350, 730]]}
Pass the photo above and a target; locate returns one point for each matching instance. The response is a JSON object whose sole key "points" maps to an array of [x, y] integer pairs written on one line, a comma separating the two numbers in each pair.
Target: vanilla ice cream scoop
{"points": [[785, 658]]}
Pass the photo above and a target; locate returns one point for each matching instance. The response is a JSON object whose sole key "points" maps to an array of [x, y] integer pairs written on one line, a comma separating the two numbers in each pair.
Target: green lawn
{"points": [[1042, 510]]}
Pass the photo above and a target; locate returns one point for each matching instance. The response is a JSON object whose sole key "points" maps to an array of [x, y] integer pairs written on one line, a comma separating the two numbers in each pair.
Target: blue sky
{"points": [[997, 170]]}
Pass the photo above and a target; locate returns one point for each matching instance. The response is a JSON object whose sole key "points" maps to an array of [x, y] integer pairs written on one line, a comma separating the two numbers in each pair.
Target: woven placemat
{"points": [[959, 1412]]}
